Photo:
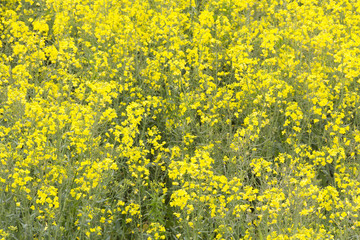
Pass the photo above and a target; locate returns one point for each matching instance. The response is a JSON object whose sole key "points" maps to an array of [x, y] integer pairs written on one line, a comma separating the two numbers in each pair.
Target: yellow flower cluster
{"points": [[216, 119]]}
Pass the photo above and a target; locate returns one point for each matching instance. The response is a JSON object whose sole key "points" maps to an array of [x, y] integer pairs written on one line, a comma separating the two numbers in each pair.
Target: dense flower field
{"points": [[179, 119]]}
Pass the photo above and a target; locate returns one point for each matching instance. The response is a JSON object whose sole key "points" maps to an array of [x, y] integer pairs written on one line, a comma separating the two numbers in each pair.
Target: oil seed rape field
{"points": [[179, 119]]}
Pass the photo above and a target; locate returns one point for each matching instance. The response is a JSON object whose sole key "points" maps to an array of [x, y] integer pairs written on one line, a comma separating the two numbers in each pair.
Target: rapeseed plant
{"points": [[179, 119]]}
